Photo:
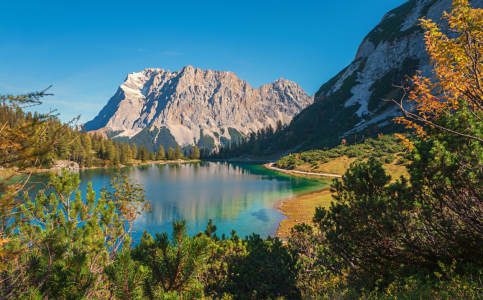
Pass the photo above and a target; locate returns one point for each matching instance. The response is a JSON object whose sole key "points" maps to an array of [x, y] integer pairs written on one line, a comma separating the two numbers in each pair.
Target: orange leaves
{"points": [[457, 79], [406, 142], [128, 197], [4, 255]]}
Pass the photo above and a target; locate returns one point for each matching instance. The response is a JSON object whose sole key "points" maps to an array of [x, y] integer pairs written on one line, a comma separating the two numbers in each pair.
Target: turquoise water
{"points": [[235, 196]]}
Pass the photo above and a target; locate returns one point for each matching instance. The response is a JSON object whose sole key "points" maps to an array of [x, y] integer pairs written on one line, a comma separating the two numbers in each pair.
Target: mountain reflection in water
{"points": [[235, 196]]}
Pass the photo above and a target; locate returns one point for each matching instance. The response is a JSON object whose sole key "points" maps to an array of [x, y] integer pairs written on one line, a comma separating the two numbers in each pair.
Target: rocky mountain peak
{"points": [[194, 104], [352, 103], [393, 49]]}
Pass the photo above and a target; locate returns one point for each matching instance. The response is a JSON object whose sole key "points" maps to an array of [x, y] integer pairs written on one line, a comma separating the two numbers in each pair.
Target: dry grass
{"points": [[7, 172], [339, 165], [396, 171], [302, 209]]}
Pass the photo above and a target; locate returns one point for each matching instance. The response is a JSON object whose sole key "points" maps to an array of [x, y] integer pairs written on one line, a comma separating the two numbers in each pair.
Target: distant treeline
{"points": [[90, 150], [264, 141], [255, 144]]}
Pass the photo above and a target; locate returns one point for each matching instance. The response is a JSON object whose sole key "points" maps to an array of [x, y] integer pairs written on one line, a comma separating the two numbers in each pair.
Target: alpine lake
{"points": [[240, 197]]}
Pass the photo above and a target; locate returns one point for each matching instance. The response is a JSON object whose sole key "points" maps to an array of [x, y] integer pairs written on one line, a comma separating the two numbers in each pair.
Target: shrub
{"points": [[390, 159]]}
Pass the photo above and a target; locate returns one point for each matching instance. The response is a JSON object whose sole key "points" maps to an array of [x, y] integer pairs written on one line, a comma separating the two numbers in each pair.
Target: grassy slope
{"points": [[338, 160], [334, 161], [339, 165]]}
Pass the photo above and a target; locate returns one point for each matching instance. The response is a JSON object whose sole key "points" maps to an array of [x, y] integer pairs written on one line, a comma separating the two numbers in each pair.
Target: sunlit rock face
{"points": [[192, 100], [392, 50]]}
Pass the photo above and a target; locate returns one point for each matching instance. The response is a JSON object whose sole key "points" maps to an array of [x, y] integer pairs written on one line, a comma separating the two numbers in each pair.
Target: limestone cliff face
{"points": [[351, 104], [393, 49], [192, 100]]}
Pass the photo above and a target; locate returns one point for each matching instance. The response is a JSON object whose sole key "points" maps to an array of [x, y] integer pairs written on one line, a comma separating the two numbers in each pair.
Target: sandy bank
{"points": [[301, 208]]}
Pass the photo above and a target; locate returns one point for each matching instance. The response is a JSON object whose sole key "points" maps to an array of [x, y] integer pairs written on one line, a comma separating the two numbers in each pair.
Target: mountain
{"points": [[191, 106], [350, 105]]}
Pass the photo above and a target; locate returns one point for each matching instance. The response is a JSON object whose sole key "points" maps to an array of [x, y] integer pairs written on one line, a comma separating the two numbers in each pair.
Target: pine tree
{"points": [[71, 239], [178, 153], [110, 151], [128, 153], [102, 150], [88, 160], [279, 126], [259, 136], [120, 147], [145, 154], [263, 134], [122, 157], [134, 151], [210, 230], [141, 153], [270, 130], [127, 276], [95, 143], [160, 154], [171, 154], [86, 142], [173, 263], [63, 148], [253, 137], [196, 153], [256, 149], [117, 160], [25, 142]]}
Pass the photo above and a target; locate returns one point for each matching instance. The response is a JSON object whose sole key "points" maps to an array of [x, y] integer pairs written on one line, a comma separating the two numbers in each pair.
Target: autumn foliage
{"points": [[456, 55]]}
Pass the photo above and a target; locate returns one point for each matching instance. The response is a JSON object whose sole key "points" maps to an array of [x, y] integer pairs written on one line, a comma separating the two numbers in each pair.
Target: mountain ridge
{"points": [[350, 105], [192, 103]]}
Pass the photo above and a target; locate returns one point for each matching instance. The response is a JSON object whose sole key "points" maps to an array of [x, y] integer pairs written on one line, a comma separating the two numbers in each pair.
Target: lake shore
{"points": [[298, 209], [299, 173], [4, 173], [301, 208]]}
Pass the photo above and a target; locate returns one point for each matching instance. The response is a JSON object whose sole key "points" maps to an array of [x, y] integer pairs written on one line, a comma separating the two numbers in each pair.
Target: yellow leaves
{"points": [[405, 142], [127, 196], [7, 255], [457, 64], [4, 254]]}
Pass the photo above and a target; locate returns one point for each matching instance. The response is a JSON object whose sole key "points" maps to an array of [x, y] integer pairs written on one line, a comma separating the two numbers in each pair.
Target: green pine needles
{"points": [[173, 263]]}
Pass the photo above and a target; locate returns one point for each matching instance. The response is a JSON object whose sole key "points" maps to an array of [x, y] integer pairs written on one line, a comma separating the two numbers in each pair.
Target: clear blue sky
{"points": [[85, 49]]}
